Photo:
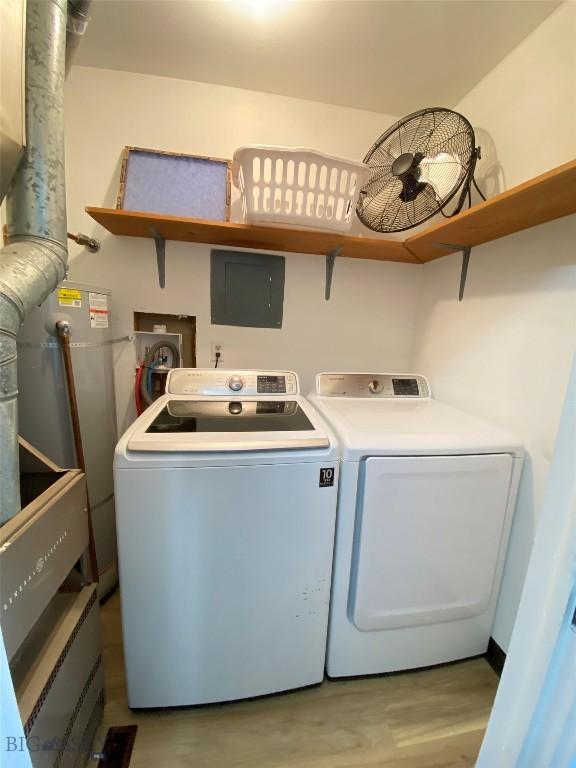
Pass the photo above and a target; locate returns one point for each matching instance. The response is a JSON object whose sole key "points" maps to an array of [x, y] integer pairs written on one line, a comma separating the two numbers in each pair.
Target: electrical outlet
{"points": [[217, 347]]}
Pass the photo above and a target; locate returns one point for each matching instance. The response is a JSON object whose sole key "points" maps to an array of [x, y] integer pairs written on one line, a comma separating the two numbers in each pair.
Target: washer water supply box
{"points": [[298, 186], [145, 339], [50, 615]]}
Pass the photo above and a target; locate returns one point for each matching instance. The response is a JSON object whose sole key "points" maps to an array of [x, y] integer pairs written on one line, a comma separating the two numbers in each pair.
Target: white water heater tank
{"points": [[43, 409]]}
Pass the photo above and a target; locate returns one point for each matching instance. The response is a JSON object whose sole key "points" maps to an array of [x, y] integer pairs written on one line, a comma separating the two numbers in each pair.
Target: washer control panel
{"points": [[215, 381], [371, 385], [271, 385]]}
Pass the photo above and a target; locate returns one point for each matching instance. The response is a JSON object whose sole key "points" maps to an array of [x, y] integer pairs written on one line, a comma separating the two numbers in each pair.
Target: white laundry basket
{"points": [[298, 186]]}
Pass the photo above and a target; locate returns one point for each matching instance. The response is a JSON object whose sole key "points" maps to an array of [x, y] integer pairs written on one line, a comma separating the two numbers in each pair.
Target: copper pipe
{"points": [[63, 331]]}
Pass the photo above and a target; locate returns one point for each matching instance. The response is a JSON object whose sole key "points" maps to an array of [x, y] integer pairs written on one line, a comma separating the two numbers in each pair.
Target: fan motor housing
{"points": [[405, 163]]}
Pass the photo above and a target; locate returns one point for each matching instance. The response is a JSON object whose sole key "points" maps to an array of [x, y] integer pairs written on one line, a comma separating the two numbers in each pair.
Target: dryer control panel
{"points": [[219, 382], [372, 385]]}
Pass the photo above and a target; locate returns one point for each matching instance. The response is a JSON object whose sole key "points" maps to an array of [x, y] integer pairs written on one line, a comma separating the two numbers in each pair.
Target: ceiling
{"points": [[381, 55]]}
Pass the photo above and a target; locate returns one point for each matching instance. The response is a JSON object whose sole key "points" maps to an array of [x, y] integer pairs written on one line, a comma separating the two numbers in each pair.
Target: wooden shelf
{"points": [[545, 198], [549, 196], [135, 224]]}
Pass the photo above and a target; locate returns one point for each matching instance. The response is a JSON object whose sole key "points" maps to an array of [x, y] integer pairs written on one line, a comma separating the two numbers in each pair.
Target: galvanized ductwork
{"points": [[78, 18], [35, 260]]}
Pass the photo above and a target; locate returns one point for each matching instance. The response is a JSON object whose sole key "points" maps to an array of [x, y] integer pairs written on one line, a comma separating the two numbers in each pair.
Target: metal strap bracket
{"points": [[73, 344], [330, 259], [466, 251], [160, 242]]}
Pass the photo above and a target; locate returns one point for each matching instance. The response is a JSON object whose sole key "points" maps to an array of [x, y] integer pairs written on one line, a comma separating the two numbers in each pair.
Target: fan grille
{"points": [[440, 144]]}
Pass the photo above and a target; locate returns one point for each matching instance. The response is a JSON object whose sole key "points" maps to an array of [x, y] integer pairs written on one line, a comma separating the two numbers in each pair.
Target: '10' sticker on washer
{"points": [[326, 477]]}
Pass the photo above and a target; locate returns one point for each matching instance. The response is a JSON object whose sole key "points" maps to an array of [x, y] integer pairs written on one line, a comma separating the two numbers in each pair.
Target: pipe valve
{"points": [[63, 328]]}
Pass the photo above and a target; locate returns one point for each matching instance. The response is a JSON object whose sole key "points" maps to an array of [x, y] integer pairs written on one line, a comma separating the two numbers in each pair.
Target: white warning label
{"points": [[98, 310]]}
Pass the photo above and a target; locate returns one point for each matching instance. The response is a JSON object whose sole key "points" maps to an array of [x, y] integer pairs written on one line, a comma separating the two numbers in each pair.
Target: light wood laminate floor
{"points": [[427, 719]]}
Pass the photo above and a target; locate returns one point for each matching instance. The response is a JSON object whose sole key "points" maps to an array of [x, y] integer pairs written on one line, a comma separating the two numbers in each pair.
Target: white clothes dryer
{"points": [[425, 504], [226, 501]]}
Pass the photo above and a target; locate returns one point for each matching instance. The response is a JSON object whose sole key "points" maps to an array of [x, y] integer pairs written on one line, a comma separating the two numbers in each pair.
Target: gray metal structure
{"points": [[50, 616], [41, 545], [44, 416], [60, 689]]}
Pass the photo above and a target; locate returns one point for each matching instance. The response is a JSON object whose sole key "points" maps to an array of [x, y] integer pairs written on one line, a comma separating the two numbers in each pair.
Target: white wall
{"points": [[505, 351], [357, 329], [527, 104]]}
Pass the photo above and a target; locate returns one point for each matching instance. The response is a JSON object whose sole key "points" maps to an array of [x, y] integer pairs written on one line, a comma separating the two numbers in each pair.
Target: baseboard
{"points": [[495, 656]]}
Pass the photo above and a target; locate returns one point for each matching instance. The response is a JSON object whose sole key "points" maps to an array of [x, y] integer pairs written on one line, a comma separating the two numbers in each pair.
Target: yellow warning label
{"points": [[69, 297], [69, 293]]}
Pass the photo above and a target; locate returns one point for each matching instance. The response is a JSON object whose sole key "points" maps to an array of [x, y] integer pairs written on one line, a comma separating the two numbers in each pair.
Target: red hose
{"points": [[137, 383]]}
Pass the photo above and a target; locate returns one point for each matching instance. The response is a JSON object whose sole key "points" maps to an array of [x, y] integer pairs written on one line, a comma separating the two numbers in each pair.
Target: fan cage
{"points": [[446, 141]]}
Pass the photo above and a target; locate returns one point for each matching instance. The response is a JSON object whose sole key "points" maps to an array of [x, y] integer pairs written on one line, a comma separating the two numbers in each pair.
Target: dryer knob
{"points": [[235, 383], [375, 387]]}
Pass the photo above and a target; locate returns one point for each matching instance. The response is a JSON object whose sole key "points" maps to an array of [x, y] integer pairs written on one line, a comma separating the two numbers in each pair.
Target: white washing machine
{"points": [[226, 502], [425, 504]]}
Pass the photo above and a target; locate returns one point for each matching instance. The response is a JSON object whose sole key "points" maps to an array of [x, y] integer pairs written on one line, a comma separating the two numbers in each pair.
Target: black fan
{"points": [[418, 166]]}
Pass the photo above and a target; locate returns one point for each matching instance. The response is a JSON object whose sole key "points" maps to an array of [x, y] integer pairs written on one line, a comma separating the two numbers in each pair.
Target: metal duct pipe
{"points": [[35, 261], [78, 18]]}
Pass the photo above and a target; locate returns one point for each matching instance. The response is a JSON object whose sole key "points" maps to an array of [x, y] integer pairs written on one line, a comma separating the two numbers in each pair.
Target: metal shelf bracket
{"points": [[160, 243], [330, 259], [466, 251]]}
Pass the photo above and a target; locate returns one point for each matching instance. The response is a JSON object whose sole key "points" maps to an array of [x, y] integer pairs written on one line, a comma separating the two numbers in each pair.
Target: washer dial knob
{"points": [[236, 383], [375, 386]]}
